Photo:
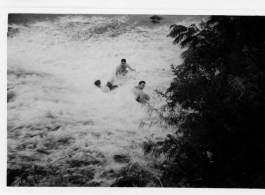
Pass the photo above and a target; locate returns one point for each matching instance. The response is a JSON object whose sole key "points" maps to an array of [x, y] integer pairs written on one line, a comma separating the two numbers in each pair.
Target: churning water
{"points": [[56, 115]]}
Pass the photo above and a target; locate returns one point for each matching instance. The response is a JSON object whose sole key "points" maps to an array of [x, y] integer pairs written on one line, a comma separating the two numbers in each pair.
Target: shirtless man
{"points": [[121, 69], [140, 96], [108, 87]]}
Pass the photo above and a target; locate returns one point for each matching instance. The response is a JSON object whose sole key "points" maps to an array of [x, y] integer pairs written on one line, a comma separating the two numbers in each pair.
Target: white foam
{"points": [[65, 91]]}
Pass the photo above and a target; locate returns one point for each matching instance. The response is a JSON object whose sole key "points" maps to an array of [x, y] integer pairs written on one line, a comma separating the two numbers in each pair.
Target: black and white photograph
{"points": [[135, 100]]}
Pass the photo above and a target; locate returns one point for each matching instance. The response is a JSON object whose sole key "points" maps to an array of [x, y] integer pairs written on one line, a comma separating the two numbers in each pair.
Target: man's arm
{"points": [[128, 66], [111, 79], [117, 70]]}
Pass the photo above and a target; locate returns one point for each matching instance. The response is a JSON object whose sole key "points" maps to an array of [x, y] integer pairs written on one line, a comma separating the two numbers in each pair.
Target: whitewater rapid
{"points": [[56, 107]]}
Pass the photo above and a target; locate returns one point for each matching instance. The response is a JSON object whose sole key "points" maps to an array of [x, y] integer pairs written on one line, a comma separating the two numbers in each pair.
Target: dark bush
{"points": [[220, 142]]}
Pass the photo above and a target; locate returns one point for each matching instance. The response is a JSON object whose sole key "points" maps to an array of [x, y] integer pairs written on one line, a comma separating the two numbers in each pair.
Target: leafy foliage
{"points": [[220, 142], [133, 175]]}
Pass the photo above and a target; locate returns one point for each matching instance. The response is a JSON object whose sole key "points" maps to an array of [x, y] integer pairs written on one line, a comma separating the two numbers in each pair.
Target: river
{"points": [[57, 117]]}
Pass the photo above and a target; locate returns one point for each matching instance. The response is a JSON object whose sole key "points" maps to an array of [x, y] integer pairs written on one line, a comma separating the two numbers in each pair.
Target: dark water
{"points": [[141, 20]]}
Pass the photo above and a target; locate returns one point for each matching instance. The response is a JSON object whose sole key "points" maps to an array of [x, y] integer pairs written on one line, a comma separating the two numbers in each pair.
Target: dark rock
{"points": [[10, 96], [12, 31], [156, 17], [43, 151], [121, 158]]}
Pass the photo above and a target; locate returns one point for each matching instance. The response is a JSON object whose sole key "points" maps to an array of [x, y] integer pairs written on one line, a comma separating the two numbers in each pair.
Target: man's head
{"points": [[123, 61], [141, 85], [97, 83]]}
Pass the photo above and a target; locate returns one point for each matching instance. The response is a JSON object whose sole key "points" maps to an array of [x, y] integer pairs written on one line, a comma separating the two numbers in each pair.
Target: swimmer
{"points": [[121, 69], [140, 96], [107, 87]]}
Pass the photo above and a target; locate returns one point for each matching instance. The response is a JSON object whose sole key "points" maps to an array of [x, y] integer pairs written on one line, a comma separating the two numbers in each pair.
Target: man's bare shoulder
{"points": [[136, 87], [137, 90]]}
